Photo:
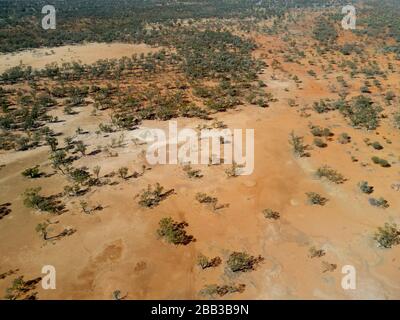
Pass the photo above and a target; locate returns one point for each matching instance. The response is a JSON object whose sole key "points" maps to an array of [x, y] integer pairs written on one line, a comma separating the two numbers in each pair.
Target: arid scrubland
{"points": [[77, 191]]}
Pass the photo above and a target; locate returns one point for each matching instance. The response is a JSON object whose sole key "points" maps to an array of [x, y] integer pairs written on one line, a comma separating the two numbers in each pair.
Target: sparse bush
{"points": [[205, 262], [387, 236], [32, 172], [96, 171], [365, 188], [320, 143], [192, 173], [241, 261], [316, 253], [79, 175], [382, 162], [153, 196], [271, 214], [330, 174], [299, 148], [380, 202], [123, 172], [204, 198], [318, 131], [22, 290], [396, 119], [316, 199], [344, 138], [174, 232], [213, 289], [233, 171], [376, 145]]}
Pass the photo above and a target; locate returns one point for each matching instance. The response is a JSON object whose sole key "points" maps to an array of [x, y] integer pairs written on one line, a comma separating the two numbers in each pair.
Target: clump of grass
{"points": [[192, 173], [214, 289], [365, 187], [271, 214], [330, 174], [316, 199], [299, 148], [205, 262], [153, 196], [387, 236], [382, 162], [174, 232], [242, 261], [380, 202]]}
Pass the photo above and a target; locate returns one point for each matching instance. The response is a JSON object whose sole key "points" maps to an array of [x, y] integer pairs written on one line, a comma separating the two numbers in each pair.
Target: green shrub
{"points": [[387, 236], [174, 232], [241, 261]]}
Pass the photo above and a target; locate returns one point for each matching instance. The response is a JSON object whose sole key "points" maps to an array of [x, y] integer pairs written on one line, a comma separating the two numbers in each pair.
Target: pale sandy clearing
{"points": [[86, 53]]}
